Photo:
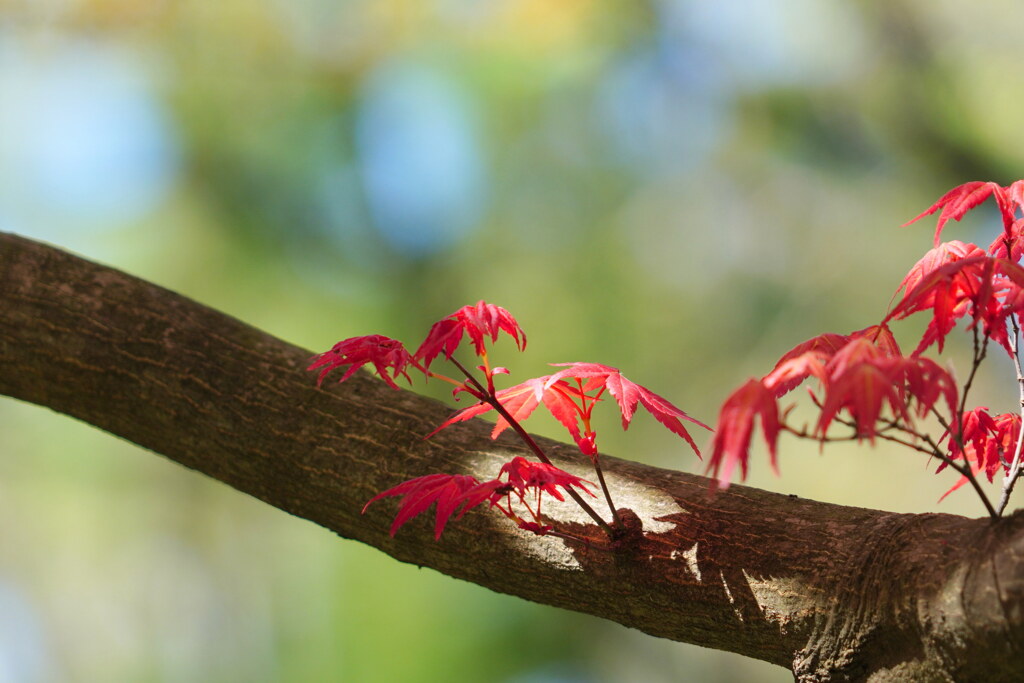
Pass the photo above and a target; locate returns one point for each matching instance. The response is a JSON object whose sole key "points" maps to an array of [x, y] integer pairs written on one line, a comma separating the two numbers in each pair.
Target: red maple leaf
{"points": [[493, 491], [355, 352], [1010, 244], [935, 258], [961, 199], [948, 291], [1015, 194], [560, 398], [449, 491], [809, 358], [882, 337], [927, 382], [978, 426], [802, 361], [987, 289], [479, 321], [1005, 437], [736, 425], [989, 444], [861, 381], [525, 474], [627, 394], [790, 372]]}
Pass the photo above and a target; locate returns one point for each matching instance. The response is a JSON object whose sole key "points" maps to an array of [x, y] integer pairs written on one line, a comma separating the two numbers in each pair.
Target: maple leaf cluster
{"points": [[866, 384], [569, 394], [456, 494]]}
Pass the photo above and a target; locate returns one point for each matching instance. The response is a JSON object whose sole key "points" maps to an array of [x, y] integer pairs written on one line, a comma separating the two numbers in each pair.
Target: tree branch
{"points": [[832, 592]]}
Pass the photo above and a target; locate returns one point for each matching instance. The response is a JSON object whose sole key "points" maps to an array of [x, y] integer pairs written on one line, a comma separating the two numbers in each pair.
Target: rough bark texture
{"points": [[834, 593]]}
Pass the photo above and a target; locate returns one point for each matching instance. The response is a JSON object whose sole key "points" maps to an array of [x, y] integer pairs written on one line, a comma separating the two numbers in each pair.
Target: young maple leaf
{"points": [[987, 289], [493, 491], [988, 444], [977, 427], [627, 394], [525, 474], [449, 491], [355, 352], [809, 358], [935, 258], [963, 198], [882, 337], [479, 321], [789, 373], [535, 528], [861, 381], [991, 447], [1003, 444], [736, 425], [1009, 245], [1015, 195], [802, 361], [560, 398], [927, 382], [863, 378], [948, 291]]}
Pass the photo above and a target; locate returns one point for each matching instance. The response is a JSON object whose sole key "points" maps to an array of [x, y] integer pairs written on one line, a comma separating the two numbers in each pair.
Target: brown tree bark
{"points": [[834, 593]]}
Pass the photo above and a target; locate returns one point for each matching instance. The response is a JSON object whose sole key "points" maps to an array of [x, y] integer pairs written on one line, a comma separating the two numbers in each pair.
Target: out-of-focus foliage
{"points": [[305, 165]]}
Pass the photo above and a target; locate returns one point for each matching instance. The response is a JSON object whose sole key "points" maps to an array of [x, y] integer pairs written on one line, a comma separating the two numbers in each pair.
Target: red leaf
{"points": [[533, 527], [564, 402], [803, 360], [809, 358], [862, 379], [449, 491], [790, 372], [862, 392], [356, 352], [989, 444], [882, 337], [1003, 445], [945, 253], [627, 394], [961, 199], [478, 322], [735, 426], [927, 382], [493, 491], [521, 400], [947, 290], [857, 351], [463, 415], [986, 288], [525, 474], [1015, 195], [978, 426], [1014, 238]]}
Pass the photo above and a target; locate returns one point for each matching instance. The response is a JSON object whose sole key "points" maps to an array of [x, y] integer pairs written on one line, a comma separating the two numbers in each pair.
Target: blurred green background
{"points": [[684, 190]]}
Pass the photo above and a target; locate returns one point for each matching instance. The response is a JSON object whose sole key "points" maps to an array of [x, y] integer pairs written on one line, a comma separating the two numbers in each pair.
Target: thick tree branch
{"points": [[835, 593]]}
